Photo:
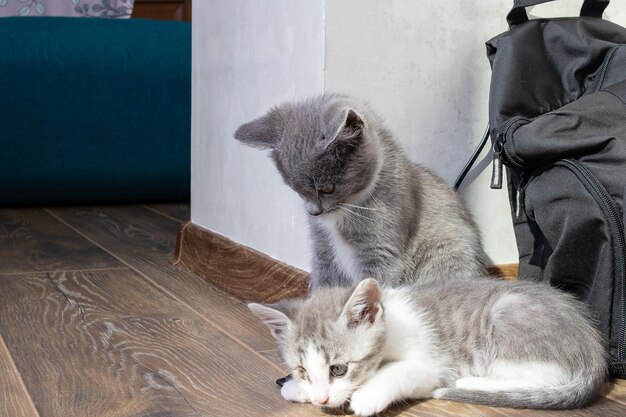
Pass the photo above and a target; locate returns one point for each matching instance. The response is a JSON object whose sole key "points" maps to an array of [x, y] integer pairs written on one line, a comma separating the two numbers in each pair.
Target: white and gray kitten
{"points": [[372, 211], [483, 341]]}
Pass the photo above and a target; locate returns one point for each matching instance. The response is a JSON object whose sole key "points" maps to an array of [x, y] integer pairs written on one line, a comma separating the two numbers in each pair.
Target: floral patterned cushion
{"points": [[76, 8]]}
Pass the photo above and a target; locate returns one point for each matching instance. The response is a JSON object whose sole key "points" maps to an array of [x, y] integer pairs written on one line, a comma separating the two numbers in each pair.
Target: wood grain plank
{"points": [[32, 240], [145, 241], [179, 212], [438, 408], [14, 399], [616, 391], [108, 343]]}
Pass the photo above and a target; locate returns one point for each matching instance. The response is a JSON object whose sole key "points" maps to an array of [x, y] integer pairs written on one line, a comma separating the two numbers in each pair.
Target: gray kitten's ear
{"points": [[262, 132], [350, 129], [277, 322], [353, 121], [363, 306]]}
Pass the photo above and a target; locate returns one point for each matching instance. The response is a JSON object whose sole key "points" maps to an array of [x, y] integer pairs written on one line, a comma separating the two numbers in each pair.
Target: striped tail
{"points": [[577, 393]]}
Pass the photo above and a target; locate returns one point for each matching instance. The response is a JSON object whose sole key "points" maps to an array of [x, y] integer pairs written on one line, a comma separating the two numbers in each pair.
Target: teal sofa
{"points": [[94, 111]]}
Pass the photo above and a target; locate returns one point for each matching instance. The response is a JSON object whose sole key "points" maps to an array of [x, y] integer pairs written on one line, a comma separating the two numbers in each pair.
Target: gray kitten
{"points": [[372, 211], [483, 341]]}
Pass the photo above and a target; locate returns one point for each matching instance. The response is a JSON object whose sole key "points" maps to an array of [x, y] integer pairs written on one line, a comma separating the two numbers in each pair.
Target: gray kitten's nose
{"points": [[313, 209]]}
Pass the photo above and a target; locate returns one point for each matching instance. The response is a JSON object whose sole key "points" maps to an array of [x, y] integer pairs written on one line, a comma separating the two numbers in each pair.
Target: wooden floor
{"points": [[96, 321]]}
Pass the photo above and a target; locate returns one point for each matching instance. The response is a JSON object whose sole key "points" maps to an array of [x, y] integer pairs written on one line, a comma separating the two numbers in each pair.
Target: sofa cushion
{"points": [[94, 110]]}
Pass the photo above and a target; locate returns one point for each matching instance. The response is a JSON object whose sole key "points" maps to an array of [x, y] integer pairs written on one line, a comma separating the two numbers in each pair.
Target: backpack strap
{"points": [[472, 160], [517, 15]]}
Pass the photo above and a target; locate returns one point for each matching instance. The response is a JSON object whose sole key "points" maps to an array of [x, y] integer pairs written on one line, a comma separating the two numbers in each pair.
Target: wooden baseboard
{"points": [[237, 269], [506, 271], [249, 274]]}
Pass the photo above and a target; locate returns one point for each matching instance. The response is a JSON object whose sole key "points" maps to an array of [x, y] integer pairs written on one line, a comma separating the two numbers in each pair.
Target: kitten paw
{"points": [[293, 391], [439, 393], [368, 401]]}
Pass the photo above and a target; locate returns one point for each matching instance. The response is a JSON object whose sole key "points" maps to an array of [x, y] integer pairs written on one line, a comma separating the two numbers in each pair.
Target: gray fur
{"points": [[546, 324], [401, 221], [475, 323]]}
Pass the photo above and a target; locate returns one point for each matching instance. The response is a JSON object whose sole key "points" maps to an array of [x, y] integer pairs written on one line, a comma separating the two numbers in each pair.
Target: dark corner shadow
{"points": [[399, 408], [394, 410]]}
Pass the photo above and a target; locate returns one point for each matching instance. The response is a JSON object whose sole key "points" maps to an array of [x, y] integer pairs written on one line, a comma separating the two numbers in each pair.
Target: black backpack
{"points": [[557, 111]]}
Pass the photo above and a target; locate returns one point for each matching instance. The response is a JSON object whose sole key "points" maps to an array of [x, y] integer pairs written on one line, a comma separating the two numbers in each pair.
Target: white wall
{"points": [[249, 55], [422, 64]]}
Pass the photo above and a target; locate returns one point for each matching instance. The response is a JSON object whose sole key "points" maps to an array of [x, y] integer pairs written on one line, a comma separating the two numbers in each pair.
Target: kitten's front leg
{"points": [[324, 273], [394, 382], [295, 391]]}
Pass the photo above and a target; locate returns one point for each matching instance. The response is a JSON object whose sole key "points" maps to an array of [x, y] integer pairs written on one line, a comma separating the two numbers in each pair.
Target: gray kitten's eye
{"points": [[327, 189], [338, 370]]}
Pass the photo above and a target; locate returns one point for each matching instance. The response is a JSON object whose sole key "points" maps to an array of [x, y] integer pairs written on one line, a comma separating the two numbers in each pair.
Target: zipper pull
{"points": [[496, 171], [519, 202], [520, 194]]}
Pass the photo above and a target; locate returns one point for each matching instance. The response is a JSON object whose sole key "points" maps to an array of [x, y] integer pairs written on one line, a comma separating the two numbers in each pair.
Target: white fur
{"points": [[414, 370], [345, 255], [528, 374], [407, 379], [408, 335], [317, 369], [508, 375], [485, 383]]}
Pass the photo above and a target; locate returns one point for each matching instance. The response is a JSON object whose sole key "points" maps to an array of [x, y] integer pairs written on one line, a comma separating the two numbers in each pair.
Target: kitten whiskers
{"points": [[355, 213], [359, 207]]}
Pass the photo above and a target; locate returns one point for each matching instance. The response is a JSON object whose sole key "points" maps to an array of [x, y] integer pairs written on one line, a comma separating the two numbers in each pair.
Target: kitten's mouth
{"points": [[323, 211]]}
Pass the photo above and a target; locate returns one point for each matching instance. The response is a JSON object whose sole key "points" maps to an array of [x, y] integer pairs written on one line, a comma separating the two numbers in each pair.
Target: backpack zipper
{"points": [[520, 194], [614, 220], [599, 80], [501, 153], [616, 226]]}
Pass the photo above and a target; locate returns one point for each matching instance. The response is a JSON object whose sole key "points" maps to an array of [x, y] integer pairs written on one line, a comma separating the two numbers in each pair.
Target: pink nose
{"points": [[322, 400]]}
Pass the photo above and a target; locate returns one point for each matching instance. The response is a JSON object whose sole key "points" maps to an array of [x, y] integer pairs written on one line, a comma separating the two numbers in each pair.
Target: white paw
{"points": [[293, 391], [439, 393], [368, 401]]}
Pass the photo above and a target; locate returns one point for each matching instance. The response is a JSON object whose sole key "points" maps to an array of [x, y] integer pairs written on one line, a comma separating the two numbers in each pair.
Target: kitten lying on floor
{"points": [[483, 341], [372, 211]]}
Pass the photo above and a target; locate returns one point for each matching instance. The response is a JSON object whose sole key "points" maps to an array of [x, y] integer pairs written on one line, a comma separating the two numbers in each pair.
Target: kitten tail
{"points": [[578, 393]]}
